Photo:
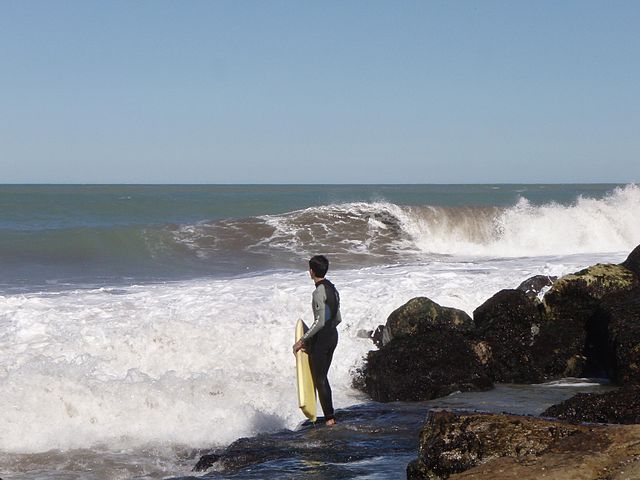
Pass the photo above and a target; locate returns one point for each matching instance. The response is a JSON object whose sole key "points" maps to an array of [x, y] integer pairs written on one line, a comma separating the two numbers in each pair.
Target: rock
{"points": [[619, 406], [422, 313], [377, 336], [534, 286], [364, 433], [633, 261], [593, 325], [620, 344], [206, 462], [454, 442], [587, 325], [507, 325], [428, 365], [504, 447], [595, 282], [609, 453]]}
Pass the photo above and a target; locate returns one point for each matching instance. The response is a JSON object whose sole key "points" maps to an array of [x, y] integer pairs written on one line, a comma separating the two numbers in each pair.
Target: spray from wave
{"points": [[587, 226], [383, 230]]}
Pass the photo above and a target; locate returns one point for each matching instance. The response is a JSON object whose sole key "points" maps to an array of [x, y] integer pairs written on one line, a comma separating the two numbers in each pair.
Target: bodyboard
{"points": [[306, 389]]}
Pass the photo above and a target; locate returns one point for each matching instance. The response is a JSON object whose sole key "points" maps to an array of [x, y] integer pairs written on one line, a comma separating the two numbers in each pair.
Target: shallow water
{"points": [[377, 441], [371, 441]]}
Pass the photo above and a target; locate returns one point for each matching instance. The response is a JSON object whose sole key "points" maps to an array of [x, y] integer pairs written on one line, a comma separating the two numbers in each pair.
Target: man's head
{"points": [[319, 266]]}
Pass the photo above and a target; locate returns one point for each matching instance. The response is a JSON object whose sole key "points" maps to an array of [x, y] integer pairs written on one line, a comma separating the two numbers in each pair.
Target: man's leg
{"points": [[320, 360]]}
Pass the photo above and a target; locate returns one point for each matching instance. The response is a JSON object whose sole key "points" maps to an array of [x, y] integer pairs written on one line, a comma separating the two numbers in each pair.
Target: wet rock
{"points": [[608, 453], [507, 325], [633, 261], [504, 447], [206, 462], [421, 313], [365, 431], [377, 336], [423, 366], [593, 325], [534, 286], [454, 442], [619, 406], [620, 344]]}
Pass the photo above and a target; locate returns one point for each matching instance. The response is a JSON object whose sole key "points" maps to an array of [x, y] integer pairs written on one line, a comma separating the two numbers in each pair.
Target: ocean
{"points": [[143, 324]]}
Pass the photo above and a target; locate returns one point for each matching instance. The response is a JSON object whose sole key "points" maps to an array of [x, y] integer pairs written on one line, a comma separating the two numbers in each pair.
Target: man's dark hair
{"points": [[319, 265]]}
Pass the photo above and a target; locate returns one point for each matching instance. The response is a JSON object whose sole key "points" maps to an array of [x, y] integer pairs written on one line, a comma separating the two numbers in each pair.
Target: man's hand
{"points": [[299, 345]]}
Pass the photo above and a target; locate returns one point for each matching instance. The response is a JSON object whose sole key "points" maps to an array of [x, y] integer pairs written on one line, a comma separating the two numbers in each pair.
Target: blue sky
{"points": [[319, 92]]}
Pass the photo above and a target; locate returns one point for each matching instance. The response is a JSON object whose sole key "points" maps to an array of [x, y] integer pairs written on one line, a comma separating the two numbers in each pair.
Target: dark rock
{"points": [[633, 261], [421, 313], [588, 324], [593, 325], [621, 342], [454, 442], [506, 447], [377, 336], [206, 462], [508, 324], [363, 432], [432, 364], [532, 287], [619, 406]]}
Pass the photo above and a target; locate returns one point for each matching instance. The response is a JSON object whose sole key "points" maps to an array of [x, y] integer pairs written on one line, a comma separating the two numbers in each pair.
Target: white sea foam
{"points": [[201, 363], [523, 230], [606, 225]]}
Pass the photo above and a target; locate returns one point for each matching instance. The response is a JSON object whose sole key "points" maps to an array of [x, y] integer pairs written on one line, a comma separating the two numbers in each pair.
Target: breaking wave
{"points": [[354, 234], [356, 230]]}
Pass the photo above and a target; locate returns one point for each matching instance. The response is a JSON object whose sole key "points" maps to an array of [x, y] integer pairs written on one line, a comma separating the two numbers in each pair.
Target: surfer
{"points": [[321, 339]]}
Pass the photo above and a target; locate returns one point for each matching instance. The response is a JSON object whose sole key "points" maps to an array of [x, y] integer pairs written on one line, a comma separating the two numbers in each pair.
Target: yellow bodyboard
{"points": [[306, 389]]}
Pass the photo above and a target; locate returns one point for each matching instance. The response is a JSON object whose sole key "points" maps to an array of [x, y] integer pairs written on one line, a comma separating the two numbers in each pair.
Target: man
{"points": [[321, 339]]}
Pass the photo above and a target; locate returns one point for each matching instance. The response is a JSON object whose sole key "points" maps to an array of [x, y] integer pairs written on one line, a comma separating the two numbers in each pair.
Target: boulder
{"points": [[619, 406], [454, 442], [508, 324], [592, 325], [533, 287], [421, 313], [504, 447], [423, 366], [620, 345], [633, 261]]}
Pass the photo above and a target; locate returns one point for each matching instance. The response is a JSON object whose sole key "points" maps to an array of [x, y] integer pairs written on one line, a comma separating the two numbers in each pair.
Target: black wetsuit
{"points": [[321, 340]]}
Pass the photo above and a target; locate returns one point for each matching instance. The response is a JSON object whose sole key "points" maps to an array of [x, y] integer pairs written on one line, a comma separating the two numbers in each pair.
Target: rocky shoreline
{"points": [[586, 324], [496, 447]]}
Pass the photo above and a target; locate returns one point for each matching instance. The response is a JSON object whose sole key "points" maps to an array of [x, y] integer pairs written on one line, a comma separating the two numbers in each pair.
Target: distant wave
{"points": [[353, 233], [385, 230]]}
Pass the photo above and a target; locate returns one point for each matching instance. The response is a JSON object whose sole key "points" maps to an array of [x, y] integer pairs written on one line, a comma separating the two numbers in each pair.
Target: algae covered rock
{"points": [[455, 442], [421, 313], [595, 311], [594, 283], [619, 406], [507, 447]]}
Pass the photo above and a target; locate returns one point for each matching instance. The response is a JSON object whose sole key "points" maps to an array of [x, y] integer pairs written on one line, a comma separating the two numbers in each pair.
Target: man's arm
{"points": [[318, 301]]}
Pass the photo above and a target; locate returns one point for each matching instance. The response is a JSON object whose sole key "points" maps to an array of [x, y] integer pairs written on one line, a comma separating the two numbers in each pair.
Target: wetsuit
{"points": [[321, 339]]}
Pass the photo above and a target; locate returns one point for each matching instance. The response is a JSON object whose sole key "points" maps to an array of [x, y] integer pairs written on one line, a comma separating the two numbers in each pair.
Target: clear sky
{"points": [[319, 92]]}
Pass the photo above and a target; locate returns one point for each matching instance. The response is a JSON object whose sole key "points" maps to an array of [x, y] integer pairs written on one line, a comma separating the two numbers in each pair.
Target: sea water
{"points": [[139, 324]]}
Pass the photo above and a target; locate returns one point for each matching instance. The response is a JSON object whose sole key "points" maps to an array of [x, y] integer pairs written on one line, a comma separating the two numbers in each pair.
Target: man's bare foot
{"points": [[330, 423]]}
